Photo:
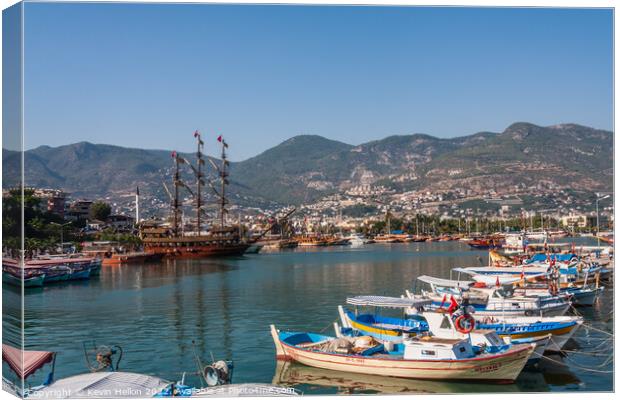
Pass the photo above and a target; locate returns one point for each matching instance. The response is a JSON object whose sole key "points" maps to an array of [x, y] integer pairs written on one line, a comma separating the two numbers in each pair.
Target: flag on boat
{"points": [[174, 154], [453, 305], [221, 140], [443, 300]]}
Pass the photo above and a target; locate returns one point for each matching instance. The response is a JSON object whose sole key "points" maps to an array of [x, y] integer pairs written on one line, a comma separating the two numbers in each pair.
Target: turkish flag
{"points": [[453, 305]]}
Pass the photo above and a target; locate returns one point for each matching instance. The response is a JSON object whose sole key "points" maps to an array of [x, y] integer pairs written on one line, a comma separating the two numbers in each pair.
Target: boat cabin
{"points": [[435, 348], [441, 325]]}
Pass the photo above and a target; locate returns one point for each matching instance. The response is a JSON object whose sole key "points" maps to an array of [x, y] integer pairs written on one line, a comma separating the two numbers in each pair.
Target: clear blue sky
{"points": [[149, 75]]}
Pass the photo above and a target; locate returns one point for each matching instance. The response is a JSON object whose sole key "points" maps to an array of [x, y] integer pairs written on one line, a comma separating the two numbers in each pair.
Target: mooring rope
{"points": [[581, 368], [331, 324], [590, 353], [598, 330]]}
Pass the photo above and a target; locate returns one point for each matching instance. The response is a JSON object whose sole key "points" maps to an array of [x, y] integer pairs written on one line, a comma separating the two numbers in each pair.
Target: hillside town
{"points": [[361, 208]]}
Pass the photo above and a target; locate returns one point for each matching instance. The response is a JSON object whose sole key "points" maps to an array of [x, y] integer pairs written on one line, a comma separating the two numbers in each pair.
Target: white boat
{"points": [[441, 325], [437, 324], [495, 300], [356, 239], [417, 358]]}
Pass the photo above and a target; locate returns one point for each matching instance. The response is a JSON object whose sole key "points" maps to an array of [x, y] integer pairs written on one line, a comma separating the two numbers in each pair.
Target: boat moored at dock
{"points": [[423, 358]]}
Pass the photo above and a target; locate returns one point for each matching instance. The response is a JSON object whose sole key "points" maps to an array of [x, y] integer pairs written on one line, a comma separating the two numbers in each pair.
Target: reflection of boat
{"points": [[131, 258], [424, 358], [288, 373]]}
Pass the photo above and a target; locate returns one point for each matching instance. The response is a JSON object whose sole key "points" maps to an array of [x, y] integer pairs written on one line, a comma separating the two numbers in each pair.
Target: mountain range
{"points": [[308, 167]]}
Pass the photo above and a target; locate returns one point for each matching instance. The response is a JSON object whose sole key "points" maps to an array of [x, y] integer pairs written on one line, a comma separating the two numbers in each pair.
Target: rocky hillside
{"points": [[305, 168]]}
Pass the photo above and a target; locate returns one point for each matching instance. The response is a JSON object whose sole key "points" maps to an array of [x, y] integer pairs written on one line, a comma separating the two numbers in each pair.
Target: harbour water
{"points": [[225, 306]]}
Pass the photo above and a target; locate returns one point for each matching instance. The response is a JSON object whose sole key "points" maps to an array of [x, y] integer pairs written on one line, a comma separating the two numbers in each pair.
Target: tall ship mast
{"points": [[220, 239]]}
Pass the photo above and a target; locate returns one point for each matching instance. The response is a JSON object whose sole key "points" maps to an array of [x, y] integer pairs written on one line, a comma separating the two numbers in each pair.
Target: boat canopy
{"points": [[104, 385], [445, 282], [383, 301], [29, 364], [492, 280], [558, 257]]}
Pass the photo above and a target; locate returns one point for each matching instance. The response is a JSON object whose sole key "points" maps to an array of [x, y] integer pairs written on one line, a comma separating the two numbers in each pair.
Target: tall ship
{"points": [[171, 241]]}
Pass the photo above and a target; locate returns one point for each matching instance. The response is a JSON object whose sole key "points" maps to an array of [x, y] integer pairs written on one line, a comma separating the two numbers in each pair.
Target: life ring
{"points": [[465, 323]]}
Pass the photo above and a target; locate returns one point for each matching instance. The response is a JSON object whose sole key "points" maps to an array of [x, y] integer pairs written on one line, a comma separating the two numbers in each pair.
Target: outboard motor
{"points": [[103, 357], [218, 373]]}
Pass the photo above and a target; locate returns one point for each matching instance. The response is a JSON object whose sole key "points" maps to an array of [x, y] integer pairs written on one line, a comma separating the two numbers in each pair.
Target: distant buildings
{"points": [[78, 210], [52, 200]]}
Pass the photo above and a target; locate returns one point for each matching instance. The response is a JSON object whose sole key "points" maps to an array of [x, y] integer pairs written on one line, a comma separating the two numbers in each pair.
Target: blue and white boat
{"points": [[424, 323], [491, 300]]}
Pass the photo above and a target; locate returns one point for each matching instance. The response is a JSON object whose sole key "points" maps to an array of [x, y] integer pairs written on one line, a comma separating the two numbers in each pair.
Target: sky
{"points": [[149, 75]]}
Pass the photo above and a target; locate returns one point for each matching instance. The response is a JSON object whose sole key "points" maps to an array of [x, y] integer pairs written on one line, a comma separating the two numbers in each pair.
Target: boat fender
{"points": [[465, 323]]}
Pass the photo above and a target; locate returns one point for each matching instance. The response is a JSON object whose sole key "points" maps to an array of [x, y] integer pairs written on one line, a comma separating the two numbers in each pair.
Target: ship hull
{"points": [[197, 251]]}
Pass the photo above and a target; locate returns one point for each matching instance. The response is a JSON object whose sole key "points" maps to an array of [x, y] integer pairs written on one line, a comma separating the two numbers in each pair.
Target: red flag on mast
{"points": [[219, 139], [453, 305]]}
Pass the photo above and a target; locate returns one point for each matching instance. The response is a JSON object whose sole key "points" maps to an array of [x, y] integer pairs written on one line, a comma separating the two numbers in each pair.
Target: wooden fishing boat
{"points": [[387, 239], [485, 244], [427, 358], [27, 281], [337, 241], [496, 300], [379, 326], [435, 323], [140, 257], [561, 328], [311, 241]]}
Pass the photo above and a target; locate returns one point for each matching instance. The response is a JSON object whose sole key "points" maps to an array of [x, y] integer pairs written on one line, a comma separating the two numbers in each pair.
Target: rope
{"points": [[598, 330], [581, 368], [590, 353], [331, 324]]}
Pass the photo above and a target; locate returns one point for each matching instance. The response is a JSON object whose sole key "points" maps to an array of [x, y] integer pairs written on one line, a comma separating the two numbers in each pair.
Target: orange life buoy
{"points": [[465, 323]]}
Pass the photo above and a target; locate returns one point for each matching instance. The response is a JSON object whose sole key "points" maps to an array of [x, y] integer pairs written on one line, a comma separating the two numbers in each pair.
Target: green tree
{"points": [[100, 210]]}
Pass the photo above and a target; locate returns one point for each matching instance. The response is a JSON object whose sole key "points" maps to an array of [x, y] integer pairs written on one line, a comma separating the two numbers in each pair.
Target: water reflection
{"points": [[301, 376]]}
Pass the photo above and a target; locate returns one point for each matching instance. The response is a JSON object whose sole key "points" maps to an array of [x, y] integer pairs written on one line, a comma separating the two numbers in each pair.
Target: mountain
{"points": [[305, 168]]}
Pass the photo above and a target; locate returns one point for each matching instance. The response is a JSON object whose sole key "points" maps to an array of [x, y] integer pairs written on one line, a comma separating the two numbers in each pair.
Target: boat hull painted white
{"points": [[503, 367]]}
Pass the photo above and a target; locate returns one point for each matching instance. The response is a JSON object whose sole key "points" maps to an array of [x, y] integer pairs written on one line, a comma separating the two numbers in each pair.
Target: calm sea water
{"points": [[155, 312]]}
